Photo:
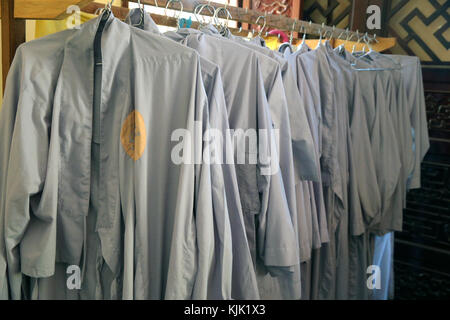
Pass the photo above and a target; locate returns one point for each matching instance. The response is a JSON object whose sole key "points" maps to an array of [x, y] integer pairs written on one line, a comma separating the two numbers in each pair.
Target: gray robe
{"points": [[44, 213], [237, 92], [313, 68], [244, 284], [412, 77], [364, 191], [310, 220], [392, 216]]}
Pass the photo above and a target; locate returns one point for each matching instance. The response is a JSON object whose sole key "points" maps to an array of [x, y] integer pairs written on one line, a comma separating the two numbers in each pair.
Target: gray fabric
{"points": [[309, 233], [309, 196], [314, 117], [345, 135], [303, 220], [174, 246], [305, 160], [376, 101], [412, 100], [364, 191], [313, 68], [363, 169], [291, 120], [223, 176], [392, 215], [70, 194], [26, 116], [412, 78], [271, 205]]}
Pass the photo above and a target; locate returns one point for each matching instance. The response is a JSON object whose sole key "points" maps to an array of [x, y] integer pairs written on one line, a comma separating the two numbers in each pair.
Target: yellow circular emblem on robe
{"points": [[133, 135]]}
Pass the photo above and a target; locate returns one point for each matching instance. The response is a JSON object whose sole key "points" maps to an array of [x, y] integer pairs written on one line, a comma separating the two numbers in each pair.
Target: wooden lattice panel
{"points": [[273, 7], [422, 29], [331, 12]]}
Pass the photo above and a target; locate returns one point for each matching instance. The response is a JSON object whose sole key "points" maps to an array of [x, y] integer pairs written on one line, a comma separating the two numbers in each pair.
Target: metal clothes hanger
{"points": [[292, 32], [342, 33], [264, 24], [359, 40], [320, 33], [331, 32], [349, 37], [341, 48], [179, 15], [304, 32], [397, 66], [367, 43], [105, 14], [107, 10], [223, 28], [141, 8], [199, 8]]}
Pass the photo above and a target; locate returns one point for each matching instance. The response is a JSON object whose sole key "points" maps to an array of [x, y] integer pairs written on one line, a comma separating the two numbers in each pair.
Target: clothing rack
{"points": [[14, 13], [278, 22], [121, 13]]}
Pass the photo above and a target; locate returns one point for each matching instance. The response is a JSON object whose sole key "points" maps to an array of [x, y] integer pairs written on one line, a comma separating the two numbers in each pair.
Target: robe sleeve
{"points": [[305, 158], [212, 193], [420, 126], [27, 119], [276, 241], [238, 271], [14, 86]]}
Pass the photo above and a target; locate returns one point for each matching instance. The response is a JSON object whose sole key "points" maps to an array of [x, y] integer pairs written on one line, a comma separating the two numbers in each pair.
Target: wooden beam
{"points": [[45, 9], [13, 34], [250, 16], [121, 13], [79, 3]]}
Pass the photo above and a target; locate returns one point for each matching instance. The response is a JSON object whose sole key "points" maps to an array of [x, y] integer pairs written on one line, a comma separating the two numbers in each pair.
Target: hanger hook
{"points": [[292, 32], [332, 32], [349, 35], [210, 8], [264, 24], [304, 32], [342, 33], [359, 38], [320, 32], [109, 4], [141, 9], [195, 11], [107, 9], [167, 6], [216, 16]]}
